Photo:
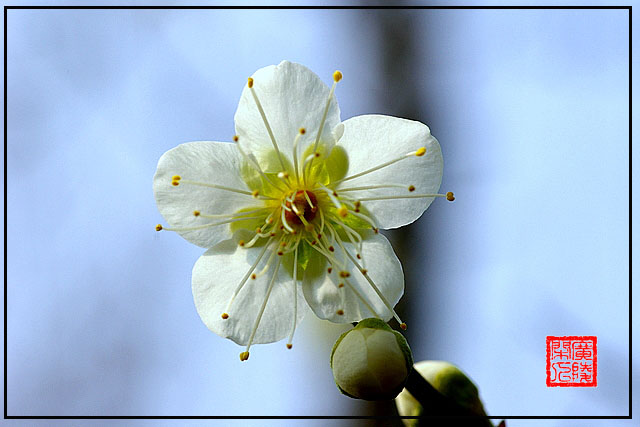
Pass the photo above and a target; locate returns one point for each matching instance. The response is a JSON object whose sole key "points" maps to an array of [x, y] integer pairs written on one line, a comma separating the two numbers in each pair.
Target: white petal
{"points": [[372, 140], [292, 97], [207, 162], [216, 276], [383, 268]]}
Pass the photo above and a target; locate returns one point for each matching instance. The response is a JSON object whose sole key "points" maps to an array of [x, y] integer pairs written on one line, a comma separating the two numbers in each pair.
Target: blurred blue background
{"points": [[530, 107]]}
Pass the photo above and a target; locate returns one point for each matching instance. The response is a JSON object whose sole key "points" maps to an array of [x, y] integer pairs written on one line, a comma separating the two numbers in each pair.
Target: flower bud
{"points": [[371, 361], [446, 379]]}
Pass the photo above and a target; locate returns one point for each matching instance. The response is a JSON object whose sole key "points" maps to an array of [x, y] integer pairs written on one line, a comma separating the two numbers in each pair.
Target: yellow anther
{"points": [[244, 356], [158, 227], [289, 346], [364, 271], [344, 274], [241, 243], [283, 244], [340, 312], [196, 213], [343, 212], [302, 131], [357, 204], [250, 84], [316, 154], [175, 183], [235, 138], [358, 256], [412, 188], [255, 193], [253, 276], [337, 76], [224, 316], [341, 285], [176, 178], [258, 230], [450, 196], [420, 151], [403, 326], [329, 270]]}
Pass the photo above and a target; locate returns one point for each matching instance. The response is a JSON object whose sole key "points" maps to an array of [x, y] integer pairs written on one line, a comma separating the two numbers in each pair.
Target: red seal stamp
{"points": [[572, 361]]}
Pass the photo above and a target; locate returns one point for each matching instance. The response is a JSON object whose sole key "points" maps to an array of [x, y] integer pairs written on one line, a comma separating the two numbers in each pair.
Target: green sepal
{"points": [[304, 255], [337, 164]]}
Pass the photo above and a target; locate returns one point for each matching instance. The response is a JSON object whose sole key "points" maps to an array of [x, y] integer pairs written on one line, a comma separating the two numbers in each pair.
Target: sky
{"points": [[531, 110]]}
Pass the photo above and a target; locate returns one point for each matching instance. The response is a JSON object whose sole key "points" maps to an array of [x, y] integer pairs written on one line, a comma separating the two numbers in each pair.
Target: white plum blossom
{"points": [[290, 212]]}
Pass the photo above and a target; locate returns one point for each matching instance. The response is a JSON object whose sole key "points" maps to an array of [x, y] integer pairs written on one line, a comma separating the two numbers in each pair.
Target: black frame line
{"points": [[209, 417]]}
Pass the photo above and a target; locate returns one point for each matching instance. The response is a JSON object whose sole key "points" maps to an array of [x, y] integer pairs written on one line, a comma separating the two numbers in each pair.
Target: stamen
{"points": [[351, 234], [283, 217], [328, 255], [306, 195], [299, 214], [266, 122], [301, 132], [233, 215], [362, 298], [267, 265], [321, 220], [245, 278], [261, 312], [375, 187], [365, 218], [332, 196], [222, 187], [450, 196], [251, 160], [383, 165], [411, 196], [295, 296], [337, 76], [375, 288], [284, 177], [308, 161], [212, 224], [176, 178], [159, 227]]}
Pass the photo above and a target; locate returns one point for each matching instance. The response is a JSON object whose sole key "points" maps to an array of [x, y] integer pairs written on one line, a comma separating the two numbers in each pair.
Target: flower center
{"points": [[305, 205]]}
